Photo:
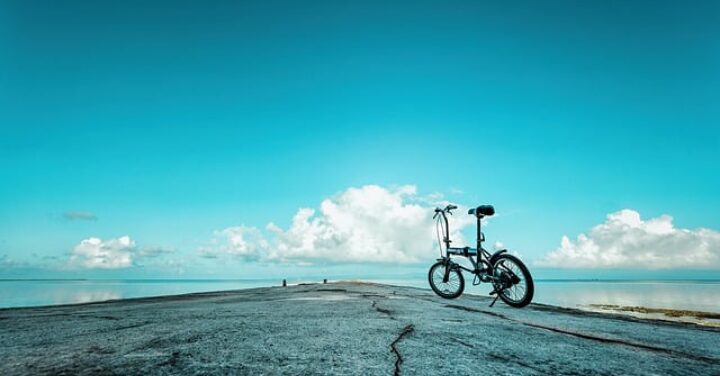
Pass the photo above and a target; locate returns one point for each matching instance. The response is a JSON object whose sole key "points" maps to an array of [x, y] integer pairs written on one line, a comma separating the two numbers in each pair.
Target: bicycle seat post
{"points": [[479, 231]]}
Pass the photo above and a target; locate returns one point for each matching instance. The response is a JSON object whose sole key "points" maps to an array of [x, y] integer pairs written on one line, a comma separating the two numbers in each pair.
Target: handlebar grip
{"points": [[451, 207]]}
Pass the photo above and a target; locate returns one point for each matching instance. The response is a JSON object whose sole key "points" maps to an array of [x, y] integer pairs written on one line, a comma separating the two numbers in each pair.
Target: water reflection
{"points": [[671, 295], [690, 295], [91, 296], [37, 293]]}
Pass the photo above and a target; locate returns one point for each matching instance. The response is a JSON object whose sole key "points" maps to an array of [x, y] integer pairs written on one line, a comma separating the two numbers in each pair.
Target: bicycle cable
{"points": [[439, 226]]}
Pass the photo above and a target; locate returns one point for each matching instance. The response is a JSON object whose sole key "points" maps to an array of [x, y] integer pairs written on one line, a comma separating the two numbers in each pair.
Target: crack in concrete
{"points": [[458, 340], [514, 359], [131, 326], [330, 290], [104, 317], [172, 362], [393, 348], [591, 337], [381, 310], [373, 295]]}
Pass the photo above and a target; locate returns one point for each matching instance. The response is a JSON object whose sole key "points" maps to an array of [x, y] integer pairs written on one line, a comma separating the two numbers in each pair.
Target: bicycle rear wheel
{"points": [[515, 286], [450, 289]]}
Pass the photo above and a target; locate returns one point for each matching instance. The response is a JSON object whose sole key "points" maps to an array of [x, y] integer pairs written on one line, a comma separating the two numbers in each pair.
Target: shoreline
{"points": [[702, 318], [662, 315]]}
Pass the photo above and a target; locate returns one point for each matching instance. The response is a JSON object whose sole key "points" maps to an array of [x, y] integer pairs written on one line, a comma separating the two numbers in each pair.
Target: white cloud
{"points": [[80, 216], [242, 241], [626, 241], [108, 254], [207, 252], [7, 262], [95, 253], [154, 251], [366, 224]]}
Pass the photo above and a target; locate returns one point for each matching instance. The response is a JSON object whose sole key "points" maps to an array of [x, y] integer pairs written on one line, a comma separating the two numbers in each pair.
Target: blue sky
{"points": [[171, 121]]}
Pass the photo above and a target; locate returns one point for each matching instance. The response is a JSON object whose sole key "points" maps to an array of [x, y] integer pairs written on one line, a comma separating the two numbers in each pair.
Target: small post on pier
{"points": [[325, 281], [284, 283]]}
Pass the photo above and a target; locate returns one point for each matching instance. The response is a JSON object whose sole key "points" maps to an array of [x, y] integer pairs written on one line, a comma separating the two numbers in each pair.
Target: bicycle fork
{"points": [[448, 265]]}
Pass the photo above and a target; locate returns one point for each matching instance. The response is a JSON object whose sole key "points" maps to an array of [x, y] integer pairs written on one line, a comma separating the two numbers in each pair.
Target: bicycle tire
{"points": [[446, 290], [529, 289]]}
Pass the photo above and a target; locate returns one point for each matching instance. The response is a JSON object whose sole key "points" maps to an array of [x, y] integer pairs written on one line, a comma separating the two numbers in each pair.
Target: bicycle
{"points": [[510, 278]]}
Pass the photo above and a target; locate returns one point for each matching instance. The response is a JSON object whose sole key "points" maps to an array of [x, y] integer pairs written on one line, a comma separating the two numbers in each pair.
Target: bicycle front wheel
{"points": [[450, 288]]}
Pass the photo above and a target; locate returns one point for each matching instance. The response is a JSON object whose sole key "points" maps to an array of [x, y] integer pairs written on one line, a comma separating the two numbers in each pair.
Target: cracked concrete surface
{"points": [[348, 329], [393, 347]]}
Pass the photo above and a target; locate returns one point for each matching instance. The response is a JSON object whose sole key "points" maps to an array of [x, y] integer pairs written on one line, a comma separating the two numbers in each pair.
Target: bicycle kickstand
{"points": [[497, 295]]}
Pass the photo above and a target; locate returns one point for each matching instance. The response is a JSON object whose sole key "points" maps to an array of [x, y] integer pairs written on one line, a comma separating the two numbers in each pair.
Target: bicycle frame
{"points": [[479, 257]]}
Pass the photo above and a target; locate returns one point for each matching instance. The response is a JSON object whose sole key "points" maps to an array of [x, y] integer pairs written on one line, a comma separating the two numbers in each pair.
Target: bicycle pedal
{"points": [[493, 292]]}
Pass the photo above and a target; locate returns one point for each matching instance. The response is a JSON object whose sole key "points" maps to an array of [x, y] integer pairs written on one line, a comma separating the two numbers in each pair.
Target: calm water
{"points": [[48, 292], [693, 295]]}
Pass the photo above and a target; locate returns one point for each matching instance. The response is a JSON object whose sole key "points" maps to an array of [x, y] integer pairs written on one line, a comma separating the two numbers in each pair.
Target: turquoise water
{"points": [[696, 295], [692, 295], [24, 293]]}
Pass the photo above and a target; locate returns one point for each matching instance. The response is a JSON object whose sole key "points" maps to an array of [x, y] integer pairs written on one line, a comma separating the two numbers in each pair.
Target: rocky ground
{"points": [[345, 329]]}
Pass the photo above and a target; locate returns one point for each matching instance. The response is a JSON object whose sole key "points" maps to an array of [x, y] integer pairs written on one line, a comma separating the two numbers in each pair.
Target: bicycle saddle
{"points": [[482, 210]]}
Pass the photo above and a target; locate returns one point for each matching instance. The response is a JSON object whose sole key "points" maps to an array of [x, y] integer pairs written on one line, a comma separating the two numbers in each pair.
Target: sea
{"points": [[695, 295]]}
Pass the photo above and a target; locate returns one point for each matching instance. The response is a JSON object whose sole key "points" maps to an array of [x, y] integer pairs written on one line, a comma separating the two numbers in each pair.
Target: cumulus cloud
{"points": [[242, 241], [627, 241], [104, 254], [208, 252], [122, 252], [366, 224], [79, 216], [7, 262], [154, 251]]}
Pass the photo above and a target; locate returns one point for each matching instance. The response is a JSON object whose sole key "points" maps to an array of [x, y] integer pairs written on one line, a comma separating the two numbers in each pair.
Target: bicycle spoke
{"points": [[517, 291], [453, 283]]}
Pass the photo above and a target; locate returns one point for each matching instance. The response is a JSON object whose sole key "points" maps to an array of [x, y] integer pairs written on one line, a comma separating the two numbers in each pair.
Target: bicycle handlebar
{"points": [[446, 209]]}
